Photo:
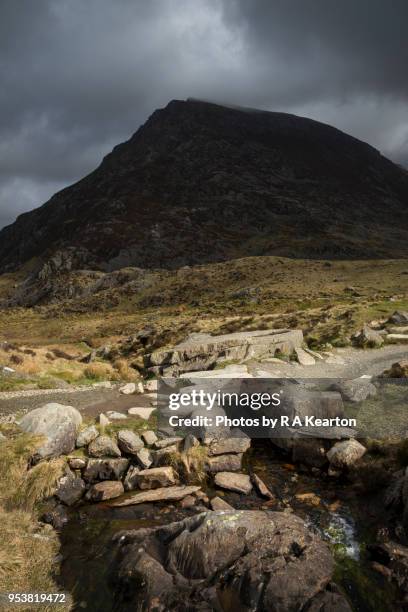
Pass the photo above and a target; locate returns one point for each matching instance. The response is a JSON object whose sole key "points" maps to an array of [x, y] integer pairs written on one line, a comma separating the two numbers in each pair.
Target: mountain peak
{"points": [[202, 182]]}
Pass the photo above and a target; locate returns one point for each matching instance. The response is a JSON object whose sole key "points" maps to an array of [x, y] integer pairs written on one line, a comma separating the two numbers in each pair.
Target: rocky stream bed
{"points": [[332, 509]]}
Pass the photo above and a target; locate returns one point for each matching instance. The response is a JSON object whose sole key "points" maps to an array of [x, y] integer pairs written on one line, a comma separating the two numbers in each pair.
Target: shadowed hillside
{"points": [[200, 183]]}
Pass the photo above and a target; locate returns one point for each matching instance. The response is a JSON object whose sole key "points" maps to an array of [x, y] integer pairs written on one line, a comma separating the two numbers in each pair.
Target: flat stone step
{"points": [[397, 339], [158, 495]]}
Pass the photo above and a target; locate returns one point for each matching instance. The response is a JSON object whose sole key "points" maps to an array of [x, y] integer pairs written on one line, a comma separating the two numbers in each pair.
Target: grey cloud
{"points": [[78, 77]]}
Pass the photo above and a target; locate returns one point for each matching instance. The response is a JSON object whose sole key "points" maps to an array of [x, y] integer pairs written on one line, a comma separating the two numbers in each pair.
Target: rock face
{"points": [[193, 162], [202, 351], [58, 424], [256, 560]]}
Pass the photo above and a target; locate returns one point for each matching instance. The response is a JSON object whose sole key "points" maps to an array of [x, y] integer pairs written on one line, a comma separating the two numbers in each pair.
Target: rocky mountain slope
{"points": [[200, 182]]}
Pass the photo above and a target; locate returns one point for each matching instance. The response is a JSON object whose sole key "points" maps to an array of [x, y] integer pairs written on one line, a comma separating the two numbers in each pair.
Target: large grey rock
{"points": [[70, 490], [86, 436], [345, 454], [368, 338], [103, 446], [109, 489], [356, 390], [240, 483], [57, 424], [202, 351], [399, 318], [129, 442], [155, 478], [105, 469], [257, 560]]}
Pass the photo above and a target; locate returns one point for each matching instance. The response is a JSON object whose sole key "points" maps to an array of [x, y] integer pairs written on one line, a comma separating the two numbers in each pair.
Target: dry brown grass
{"points": [[27, 549], [100, 371], [191, 465], [125, 371]]}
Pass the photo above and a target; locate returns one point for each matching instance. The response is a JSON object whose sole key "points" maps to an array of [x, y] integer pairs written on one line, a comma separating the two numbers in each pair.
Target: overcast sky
{"points": [[79, 76]]}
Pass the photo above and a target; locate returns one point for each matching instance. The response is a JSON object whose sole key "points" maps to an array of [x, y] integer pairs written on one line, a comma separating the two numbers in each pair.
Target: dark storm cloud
{"points": [[78, 77]]}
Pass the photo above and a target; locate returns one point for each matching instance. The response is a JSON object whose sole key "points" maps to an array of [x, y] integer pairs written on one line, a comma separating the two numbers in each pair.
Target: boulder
{"points": [[129, 442], [144, 458], [224, 463], [149, 437], [236, 445], [105, 469], [109, 489], [154, 478], [253, 560], [103, 446], [163, 456], [240, 483], [57, 425], [368, 338], [217, 503], [128, 389], [70, 490], [86, 436], [130, 481], [399, 318], [165, 494], [201, 352], [344, 454], [356, 390]]}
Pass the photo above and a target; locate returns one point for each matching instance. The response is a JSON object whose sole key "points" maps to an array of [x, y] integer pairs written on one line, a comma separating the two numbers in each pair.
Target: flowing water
{"points": [[344, 519]]}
